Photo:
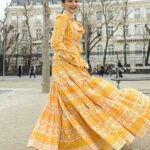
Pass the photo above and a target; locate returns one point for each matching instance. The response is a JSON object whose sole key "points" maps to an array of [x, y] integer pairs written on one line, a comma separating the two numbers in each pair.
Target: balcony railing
{"points": [[141, 37]]}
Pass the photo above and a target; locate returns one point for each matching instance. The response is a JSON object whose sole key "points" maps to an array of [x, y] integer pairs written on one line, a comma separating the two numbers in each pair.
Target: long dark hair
{"points": [[63, 1]]}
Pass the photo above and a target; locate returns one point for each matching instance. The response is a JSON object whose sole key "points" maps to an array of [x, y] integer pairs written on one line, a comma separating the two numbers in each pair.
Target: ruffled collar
{"points": [[78, 26], [68, 15]]}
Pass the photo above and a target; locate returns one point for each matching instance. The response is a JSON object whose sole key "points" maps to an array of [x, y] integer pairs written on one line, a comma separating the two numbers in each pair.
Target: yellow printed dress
{"points": [[85, 112]]}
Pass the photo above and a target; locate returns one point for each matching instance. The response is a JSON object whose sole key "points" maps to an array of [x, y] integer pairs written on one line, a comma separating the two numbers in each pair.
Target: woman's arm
{"points": [[57, 38], [57, 43]]}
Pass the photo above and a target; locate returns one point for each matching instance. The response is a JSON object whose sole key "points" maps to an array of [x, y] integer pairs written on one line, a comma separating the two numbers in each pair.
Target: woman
{"points": [[84, 112]]}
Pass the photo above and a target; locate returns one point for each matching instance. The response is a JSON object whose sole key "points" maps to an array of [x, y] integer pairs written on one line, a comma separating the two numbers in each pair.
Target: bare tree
{"points": [[144, 41], [26, 11], [125, 15], [92, 36], [45, 53], [8, 43], [110, 11], [11, 40], [148, 48]]}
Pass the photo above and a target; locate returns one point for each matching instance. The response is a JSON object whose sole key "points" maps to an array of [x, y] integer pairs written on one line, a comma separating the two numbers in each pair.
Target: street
{"points": [[21, 102]]}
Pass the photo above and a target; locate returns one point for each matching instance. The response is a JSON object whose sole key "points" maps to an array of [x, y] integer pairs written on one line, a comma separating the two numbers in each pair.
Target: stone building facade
{"points": [[137, 41]]}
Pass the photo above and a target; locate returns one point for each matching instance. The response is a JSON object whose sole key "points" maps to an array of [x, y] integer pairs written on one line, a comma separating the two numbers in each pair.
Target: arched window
{"points": [[127, 49], [99, 49], [111, 50], [138, 49]]}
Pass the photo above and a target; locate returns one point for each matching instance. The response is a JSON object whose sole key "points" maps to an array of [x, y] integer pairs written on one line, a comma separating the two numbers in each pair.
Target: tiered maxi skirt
{"points": [[88, 113]]}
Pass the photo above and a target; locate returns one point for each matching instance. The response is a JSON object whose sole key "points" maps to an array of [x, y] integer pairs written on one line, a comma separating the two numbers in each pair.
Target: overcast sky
{"points": [[3, 4]]}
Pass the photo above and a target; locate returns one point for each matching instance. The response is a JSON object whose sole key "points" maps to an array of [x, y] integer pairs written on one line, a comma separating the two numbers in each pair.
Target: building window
{"points": [[99, 31], [138, 49], [24, 20], [24, 34], [14, 3], [14, 33], [110, 14], [138, 29], [127, 49], [98, 15], [126, 13], [14, 20], [137, 13], [99, 49], [38, 34], [38, 2], [111, 50], [126, 30], [110, 31], [148, 13], [38, 19], [55, 1], [39, 50]]}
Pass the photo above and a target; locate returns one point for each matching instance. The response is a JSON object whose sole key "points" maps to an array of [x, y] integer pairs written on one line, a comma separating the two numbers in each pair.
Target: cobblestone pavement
{"points": [[21, 102]]}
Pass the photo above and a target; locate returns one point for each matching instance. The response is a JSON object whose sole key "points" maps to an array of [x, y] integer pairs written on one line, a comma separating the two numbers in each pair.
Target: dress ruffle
{"points": [[89, 113]]}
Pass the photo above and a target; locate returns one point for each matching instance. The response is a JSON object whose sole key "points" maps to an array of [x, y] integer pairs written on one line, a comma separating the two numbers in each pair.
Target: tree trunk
{"points": [[148, 49], [45, 52], [147, 56], [30, 36], [124, 33], [125, 53], [125, 44], [88, 56], [87, 37], [105, 52]]}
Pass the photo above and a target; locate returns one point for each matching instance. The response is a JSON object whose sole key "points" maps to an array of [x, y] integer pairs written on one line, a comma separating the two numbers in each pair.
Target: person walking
{"points": [[85, 112], [32, 71], [119, 69], [19, 71], [102, 71]]}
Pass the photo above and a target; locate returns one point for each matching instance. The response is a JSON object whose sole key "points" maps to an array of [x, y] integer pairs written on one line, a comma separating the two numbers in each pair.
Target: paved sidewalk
{"points": [[21, 102]]}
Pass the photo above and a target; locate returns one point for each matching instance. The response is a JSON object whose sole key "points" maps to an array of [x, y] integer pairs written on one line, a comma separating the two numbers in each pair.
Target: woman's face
{"points": [[70, 5]]}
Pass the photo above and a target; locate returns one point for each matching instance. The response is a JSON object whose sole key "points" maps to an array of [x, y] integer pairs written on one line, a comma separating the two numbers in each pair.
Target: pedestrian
{"points": [[19, 71], [106, 70], [32, 70], [85, 112], [119, 69], [102, 71]]}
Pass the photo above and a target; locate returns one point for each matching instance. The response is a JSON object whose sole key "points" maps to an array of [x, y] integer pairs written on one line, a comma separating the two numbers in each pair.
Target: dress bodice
{"points": [[66, 39]]}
